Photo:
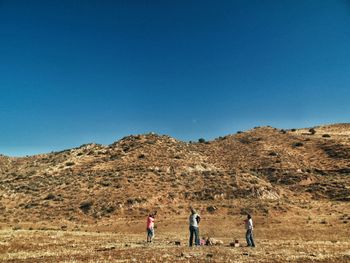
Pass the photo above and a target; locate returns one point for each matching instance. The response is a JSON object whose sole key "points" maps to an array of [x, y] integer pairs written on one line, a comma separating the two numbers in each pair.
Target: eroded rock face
{"points": [[267, 194]]}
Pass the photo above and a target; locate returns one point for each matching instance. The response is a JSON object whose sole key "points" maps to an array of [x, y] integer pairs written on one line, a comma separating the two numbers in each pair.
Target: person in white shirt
{"points": [[194, 229], [249, 234]]}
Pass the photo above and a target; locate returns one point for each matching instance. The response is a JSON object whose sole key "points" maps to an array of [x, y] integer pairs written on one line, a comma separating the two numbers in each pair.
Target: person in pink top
{"points": [[150, 227]]}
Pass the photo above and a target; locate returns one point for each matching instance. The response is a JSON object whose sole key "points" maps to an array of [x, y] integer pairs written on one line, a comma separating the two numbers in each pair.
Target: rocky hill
{"points": [[146, 172]]}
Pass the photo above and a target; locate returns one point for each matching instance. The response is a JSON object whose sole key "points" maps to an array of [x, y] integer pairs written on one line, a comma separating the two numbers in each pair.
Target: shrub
{"points": [[105, 183], [298, 144], [141, 156], [312, 131], [109, 209], [326, 136], [293, 130], [171, 195], [50, 196], [134, 201], [201, 140], [211, 209], [85, 206]]}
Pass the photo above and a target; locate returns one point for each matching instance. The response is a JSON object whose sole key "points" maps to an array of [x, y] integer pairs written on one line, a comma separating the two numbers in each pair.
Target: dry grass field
{"points": [[76, 246], [319, 234]]}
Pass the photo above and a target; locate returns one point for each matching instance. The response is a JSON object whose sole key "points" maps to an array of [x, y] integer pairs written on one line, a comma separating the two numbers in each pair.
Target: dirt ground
{"points": [[284, 238]]}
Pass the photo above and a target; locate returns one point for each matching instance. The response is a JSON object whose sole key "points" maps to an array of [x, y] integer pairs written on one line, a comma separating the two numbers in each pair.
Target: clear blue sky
{"points": [[74, 72]]}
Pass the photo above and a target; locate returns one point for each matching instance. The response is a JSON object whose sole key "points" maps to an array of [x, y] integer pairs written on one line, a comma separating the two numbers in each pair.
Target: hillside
{"points": [[137, 174]]}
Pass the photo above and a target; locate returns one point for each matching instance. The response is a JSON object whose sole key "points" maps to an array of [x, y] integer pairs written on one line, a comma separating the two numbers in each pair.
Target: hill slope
{"points": [[146, 172]]}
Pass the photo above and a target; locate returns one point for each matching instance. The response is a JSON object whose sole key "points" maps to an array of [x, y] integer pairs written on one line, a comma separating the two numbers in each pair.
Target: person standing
{"points": [[249, 233], [150, 227], [194, 227]]}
